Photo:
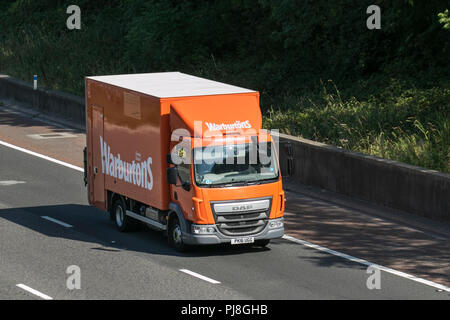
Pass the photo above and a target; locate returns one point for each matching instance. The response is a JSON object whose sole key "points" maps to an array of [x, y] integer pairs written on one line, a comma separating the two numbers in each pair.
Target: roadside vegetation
{"points": [[321, 73]]}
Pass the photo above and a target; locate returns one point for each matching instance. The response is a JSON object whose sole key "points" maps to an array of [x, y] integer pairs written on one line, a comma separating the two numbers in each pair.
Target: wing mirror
{"points": [[186, 186], [172, 175], [169, 158]]}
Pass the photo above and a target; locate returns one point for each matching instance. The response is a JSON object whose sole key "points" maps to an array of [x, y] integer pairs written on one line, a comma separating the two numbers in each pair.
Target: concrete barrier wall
{"points": [[49, 102], [390, 183]]}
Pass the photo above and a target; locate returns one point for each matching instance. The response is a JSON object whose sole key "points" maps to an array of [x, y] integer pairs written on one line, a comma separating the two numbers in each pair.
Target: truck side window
{"points": [[184, 172]]}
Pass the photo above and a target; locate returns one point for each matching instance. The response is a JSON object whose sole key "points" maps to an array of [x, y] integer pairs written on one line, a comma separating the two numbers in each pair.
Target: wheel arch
{"points": [[175, 211]]}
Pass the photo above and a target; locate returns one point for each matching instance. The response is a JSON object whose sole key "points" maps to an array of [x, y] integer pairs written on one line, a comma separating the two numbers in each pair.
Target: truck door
{"points": [[98, 178], [182, 196]]}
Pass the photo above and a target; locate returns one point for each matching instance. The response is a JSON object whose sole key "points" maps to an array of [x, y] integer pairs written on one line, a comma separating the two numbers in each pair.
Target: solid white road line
{"points": [[305, 243], [35, 292], [57, 221], [367, 263], [3, 206], [51, 135], [6, 144], [194, 274]]}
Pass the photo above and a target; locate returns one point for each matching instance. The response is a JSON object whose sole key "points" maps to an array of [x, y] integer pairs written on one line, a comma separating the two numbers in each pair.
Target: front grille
{"points": [[243, 217]]}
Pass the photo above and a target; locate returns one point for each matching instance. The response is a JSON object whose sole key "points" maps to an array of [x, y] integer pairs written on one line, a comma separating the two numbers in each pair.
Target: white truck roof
{"points": [[169, 84]]}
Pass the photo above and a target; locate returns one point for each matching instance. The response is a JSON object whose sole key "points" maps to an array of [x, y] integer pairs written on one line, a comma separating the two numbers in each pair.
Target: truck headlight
{"points": [[276, 224], [199, 229]]}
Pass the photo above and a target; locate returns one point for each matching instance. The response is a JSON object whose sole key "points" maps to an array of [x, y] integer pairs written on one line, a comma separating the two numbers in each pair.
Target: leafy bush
{"points": [[401, 123], [393, 83]]}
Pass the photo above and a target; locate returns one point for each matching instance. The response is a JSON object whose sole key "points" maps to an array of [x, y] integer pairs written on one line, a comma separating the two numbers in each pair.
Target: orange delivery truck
{"points": [[184, 155]]}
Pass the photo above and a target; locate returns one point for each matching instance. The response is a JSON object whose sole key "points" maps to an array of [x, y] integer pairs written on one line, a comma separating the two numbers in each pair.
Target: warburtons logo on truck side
{"points": [[139, 173]]}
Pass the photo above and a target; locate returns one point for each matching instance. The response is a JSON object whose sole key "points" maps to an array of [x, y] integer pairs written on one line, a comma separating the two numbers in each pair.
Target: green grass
{"points": [[401, 122]]}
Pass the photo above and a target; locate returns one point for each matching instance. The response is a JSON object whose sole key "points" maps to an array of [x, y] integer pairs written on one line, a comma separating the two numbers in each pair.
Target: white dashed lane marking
{"points": [[10, 182], [194, 274], [33, 291], [57, 221]]}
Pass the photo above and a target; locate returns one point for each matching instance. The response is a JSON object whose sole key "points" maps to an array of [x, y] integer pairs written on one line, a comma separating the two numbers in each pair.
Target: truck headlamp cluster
{"points": [[276, 224], [198, 229]]}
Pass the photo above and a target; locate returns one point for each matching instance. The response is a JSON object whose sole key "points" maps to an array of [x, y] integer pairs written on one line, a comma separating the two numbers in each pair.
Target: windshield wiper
{"points": [[239, 183], [230, 184]]}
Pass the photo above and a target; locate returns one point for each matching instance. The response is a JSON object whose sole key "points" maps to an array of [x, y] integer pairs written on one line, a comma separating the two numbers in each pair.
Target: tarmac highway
{"points": [[46, 225]]}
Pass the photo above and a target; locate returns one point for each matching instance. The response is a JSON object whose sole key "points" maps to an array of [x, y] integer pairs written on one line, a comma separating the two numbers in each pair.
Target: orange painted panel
{"points": [[130, 151]]}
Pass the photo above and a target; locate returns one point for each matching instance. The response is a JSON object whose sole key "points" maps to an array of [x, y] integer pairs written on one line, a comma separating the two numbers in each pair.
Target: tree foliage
{"points": [[286, 49]]}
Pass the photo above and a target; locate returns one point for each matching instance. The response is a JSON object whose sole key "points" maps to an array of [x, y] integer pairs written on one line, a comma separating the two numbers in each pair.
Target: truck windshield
{"points": [[235, 164]]}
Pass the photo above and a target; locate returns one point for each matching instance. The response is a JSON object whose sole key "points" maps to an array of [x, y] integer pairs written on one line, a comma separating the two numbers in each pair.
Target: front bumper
{"points": [[218, 237]]}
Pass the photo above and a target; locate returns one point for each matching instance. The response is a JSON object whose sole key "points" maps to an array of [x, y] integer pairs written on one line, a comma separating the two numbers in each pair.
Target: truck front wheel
{"points": [[175, 236]]}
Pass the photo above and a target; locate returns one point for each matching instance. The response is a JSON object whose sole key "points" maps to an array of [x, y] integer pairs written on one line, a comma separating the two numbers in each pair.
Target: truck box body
{"points": [[130, 123]]}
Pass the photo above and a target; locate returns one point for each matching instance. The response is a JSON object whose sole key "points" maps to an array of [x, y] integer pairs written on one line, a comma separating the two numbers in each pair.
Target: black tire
{"points": [[262, 243], [123, 222], [174, 236]]}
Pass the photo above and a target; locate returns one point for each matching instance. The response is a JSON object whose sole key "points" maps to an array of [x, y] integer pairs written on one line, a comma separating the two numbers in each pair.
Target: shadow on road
{"points": [[366, 237], [94, 226], [377, 242]]}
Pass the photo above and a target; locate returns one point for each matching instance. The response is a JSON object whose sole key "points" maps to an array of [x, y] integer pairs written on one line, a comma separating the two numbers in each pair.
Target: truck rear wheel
{"points": [[123, 222], [175, 236]]}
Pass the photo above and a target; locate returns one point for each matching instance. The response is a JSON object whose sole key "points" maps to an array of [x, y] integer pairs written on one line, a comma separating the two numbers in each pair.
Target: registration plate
{"points": [[243, 240]]}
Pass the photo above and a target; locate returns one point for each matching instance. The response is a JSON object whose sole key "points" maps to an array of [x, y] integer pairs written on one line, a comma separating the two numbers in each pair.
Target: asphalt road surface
{"points": [[36, 252], [46, 226]]}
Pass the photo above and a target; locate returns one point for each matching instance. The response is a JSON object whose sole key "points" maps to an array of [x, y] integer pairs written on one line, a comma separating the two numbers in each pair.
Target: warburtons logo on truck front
{"points": [[139, 173], [229, 126]]}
